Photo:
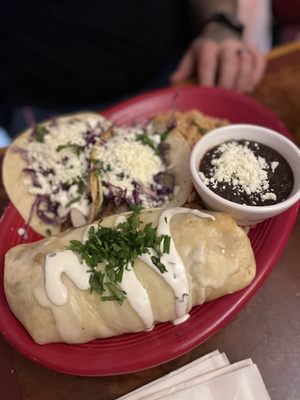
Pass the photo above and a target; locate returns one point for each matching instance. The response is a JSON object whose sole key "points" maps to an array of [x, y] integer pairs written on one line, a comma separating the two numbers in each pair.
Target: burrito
{"points": [[71, 170], [126, 273]]}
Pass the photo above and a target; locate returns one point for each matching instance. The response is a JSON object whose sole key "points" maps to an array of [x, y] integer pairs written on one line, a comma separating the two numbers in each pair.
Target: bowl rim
{"points": [[194, 167]]}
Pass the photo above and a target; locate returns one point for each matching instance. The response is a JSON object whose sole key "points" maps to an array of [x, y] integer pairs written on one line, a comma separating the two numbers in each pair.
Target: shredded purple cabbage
{"points": [[166, 182], [65, 186], [30, 120], [116, 193], [33, 175], [47, 211], [148, 191], [32, 209], [136, 196], [23, 152], [90, 137], [65, 160], [172, 123]]}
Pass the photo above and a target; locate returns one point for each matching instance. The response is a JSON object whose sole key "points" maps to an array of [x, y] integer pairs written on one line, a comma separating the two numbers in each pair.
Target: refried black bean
{"points": [[280, 179]]}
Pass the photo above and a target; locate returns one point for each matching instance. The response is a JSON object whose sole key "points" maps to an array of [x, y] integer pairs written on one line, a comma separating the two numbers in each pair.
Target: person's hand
{"points": [[228, 63]]}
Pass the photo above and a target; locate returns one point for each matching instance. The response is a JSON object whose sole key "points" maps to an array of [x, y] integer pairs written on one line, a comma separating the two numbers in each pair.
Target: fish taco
{"points": [[65, 171]]}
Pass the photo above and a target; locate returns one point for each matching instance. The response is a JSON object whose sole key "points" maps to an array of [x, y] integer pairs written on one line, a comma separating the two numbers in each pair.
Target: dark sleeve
{"points": [[67, 52]]}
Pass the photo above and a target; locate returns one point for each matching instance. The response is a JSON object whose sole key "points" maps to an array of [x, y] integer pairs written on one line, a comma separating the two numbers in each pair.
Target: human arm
{"points": [[218, 54]]}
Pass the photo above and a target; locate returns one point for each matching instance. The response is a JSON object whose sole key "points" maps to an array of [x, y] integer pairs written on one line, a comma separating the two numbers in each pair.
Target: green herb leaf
{"points": [[116, 293], [75, 200], [40, 132], [156, 261], [109, 251], [166, 245], [146, 140], [100, 167], [202, 131], [81, 185], [164, 135], [75, 148], [96, 282]]}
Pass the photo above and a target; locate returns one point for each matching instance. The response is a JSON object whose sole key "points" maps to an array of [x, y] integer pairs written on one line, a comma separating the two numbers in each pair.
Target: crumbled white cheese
{"points": [[54, 165], [268, 196], [274, 165], [238, 166], [21, 231], [126, 160], [61, 162]]}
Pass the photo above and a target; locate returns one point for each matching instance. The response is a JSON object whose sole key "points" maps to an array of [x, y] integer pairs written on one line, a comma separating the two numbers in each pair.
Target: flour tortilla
{"points": [[177, 156], [18, 192], [13, 175], [217, 255]]}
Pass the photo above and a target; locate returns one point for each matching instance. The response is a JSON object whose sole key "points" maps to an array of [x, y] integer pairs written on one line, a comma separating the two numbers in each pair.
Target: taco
{"points": [[46, 170], [57, 175], [141, 164]]}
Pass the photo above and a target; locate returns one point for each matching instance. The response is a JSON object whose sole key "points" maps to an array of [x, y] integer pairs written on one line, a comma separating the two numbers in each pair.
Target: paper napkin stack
{"points": [[211, 377]]}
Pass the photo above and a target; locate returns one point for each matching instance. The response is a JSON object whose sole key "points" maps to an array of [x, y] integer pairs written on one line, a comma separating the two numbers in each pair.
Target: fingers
{"points": [[251, 71], [244, 79], [229, 65], [241, 67], [185, 69], [206, 55], [223, 64], [260, 63]]}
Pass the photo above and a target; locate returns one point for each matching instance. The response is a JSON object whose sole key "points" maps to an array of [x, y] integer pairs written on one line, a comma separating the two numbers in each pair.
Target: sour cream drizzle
{"points": [[176, 275], [135, 291], [67, 262]]}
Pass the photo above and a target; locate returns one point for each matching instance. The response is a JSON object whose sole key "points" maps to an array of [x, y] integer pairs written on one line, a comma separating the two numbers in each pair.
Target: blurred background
{"points": [[268, 23]]}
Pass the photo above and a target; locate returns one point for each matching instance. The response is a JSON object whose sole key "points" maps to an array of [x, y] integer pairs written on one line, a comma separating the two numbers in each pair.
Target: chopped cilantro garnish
{"points": [[164, 135], [146, 140], [166, 244], [75, 148], [48, 232], [40, 132], [156, 261], [105, 168], [202, 131], [100, 167], [120, 176], [108, 251], [75, 200], [81, 185]]}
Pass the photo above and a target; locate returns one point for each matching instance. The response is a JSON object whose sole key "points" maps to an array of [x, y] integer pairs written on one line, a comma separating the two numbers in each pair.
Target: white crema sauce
{"points": [[65, 261]]}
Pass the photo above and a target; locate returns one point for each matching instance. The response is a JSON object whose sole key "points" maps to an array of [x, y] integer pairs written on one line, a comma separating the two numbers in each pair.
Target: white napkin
{"points": [[209, 378], [206, 363]]}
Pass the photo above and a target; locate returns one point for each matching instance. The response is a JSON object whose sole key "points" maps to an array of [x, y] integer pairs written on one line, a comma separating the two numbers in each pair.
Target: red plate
{"points": [[133, 352]]}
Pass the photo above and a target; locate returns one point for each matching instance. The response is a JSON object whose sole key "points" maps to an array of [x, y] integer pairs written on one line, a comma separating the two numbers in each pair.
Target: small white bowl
{"points": [[244, 214]]}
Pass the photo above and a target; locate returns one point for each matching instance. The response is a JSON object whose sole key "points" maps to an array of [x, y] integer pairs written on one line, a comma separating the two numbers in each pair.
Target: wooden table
{"points": [[267, 329]]}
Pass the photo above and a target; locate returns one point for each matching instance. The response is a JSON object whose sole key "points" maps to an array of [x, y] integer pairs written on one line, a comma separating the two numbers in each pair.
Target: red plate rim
{"points": [[134, 352]]}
